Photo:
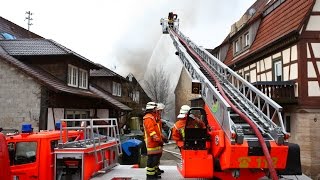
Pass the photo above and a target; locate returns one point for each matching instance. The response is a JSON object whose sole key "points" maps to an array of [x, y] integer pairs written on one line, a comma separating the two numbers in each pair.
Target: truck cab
{"points": [[31, 154]]}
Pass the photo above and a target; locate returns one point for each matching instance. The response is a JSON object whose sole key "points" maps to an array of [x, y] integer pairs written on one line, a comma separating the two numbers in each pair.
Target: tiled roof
{"points": [[17, 31], [104, 72], [56, 84], [104, 95], [35, 47], [284, 20]]}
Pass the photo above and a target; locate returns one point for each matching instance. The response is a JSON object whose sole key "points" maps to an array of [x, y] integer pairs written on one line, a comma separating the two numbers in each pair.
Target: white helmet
{"points": [[183, 111], [151, 105], [160, 106]]}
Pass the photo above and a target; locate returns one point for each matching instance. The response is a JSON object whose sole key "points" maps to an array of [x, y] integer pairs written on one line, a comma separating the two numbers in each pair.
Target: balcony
{"points": [[280, 91]]}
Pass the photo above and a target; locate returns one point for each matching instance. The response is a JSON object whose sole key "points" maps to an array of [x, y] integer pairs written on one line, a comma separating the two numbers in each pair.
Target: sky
{"points": [[121, 34]]}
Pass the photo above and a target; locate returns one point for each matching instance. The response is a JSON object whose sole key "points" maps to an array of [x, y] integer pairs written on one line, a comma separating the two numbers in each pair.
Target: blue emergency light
{"points": [[26, 128], [58, 125]]}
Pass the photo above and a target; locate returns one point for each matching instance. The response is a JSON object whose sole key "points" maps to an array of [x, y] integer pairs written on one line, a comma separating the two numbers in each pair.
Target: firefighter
{"points": [[153, 140], [178, 130], [171, 18]]}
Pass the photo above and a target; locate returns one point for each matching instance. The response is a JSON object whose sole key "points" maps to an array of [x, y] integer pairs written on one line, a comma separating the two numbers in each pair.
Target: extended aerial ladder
{"points": [[245, 126]]}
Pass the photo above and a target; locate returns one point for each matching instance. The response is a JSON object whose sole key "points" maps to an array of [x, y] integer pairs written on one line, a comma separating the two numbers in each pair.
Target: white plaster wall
{"points": [[253, 76], [313, 88], [286, 56], [58, 114], [103, 113], [308, 51], [316, 7], [316, 48], [258, 66], [269, 76], [276, 55], [313, 24], [286, 73], [294, 53], [294, 71], [311, 70], [268, 63], [262, 68]]}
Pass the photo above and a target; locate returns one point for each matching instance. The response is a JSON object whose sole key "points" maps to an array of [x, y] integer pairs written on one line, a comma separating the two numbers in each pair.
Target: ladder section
{"points": [[96, 135], [258, 107]]}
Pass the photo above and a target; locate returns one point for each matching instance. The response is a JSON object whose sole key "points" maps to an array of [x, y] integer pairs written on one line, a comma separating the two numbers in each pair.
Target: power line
{"points": [[29, 14]]}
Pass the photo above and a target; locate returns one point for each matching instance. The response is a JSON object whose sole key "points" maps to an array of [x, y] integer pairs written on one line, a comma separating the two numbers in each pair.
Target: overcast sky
{"points": [[121, 34]]}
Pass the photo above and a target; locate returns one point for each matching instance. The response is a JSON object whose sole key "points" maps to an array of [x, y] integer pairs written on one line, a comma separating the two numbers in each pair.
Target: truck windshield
{"points": [[22, 152]]}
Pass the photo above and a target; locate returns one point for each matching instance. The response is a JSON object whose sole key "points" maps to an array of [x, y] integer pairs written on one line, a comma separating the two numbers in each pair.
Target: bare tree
{"points": [[158, 87]]}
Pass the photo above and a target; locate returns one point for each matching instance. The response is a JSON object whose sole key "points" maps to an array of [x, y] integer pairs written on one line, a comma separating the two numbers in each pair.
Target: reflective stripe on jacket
{"points": [[151, 129]]}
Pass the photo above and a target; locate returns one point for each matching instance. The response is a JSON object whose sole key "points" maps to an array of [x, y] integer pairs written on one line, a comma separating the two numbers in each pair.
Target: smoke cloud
{"points": [[206, 22]]}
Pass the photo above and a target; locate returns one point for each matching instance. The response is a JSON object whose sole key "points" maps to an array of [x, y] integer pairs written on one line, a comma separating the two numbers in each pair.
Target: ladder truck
{"points": [[245, 137]]}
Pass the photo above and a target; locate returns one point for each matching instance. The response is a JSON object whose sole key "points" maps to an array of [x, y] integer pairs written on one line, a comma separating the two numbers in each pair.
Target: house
{"points": [[42, 82], [276, 46], [183, 91], [138, 96], [126, 90]]}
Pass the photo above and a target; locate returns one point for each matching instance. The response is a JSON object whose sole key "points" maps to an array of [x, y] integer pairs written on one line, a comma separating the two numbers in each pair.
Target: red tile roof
{"points": [[285, 19]]}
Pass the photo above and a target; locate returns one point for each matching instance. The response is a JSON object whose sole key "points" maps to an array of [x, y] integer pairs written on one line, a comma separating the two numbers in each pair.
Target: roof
{"points": [[105, 96], [283, 21], [38, 47], [56, 84], [17, 31], [104, 72]]}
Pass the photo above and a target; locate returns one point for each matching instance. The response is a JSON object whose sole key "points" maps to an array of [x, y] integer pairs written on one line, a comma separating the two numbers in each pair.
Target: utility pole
{"points": [[29, 14]]}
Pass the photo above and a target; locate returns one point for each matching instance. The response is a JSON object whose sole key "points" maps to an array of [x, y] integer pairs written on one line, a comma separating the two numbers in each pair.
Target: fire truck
{"points": [[77, 149], [244, 136]]}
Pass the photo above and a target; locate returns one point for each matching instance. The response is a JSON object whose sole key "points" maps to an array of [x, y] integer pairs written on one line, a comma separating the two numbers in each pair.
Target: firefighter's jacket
{"points": [[152, 134], [178, 130]]}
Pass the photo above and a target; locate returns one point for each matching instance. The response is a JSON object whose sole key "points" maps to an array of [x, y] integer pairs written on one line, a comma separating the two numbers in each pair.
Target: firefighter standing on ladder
{"points": [[171, 18], [153, 139]]}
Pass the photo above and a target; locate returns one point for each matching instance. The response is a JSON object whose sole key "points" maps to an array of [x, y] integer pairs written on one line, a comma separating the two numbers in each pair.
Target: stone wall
{"points": [[305, 128], [19, 98]]}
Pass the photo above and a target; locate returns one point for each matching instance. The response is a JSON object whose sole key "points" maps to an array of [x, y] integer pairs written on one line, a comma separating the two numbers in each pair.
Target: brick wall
{"points": [[19, 98], [305, 128]]}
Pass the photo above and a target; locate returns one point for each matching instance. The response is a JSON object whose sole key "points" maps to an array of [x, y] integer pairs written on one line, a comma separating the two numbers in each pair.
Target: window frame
{"points": [[246, 39], [116, 89], [83, 79], [73, 78], [237, 46], [274, 70]]}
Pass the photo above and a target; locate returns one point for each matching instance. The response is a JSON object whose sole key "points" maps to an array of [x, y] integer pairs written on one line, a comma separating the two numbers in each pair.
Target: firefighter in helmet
{"points": [[171, 18], [153, 139], [178, 130]]}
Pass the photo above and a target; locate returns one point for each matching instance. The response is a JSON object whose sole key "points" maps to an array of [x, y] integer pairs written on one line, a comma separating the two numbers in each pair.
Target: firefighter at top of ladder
{"points": [[153, 139], [171, 18]]}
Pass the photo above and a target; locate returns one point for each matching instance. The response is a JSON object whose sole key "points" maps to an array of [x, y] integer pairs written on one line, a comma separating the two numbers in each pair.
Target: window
{"points": [[217, 55], [116, 89], [22, 152], [76, 114], [237, 46], [8, 36], [83, 79], [135, 96], [72, 76], [277, 71], [246, 39], [247, 77]]}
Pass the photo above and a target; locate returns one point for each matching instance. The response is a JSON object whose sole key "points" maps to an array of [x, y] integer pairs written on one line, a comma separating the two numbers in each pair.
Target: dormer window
{"points": [[237, 46], [72, 76], [246, 39]]}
